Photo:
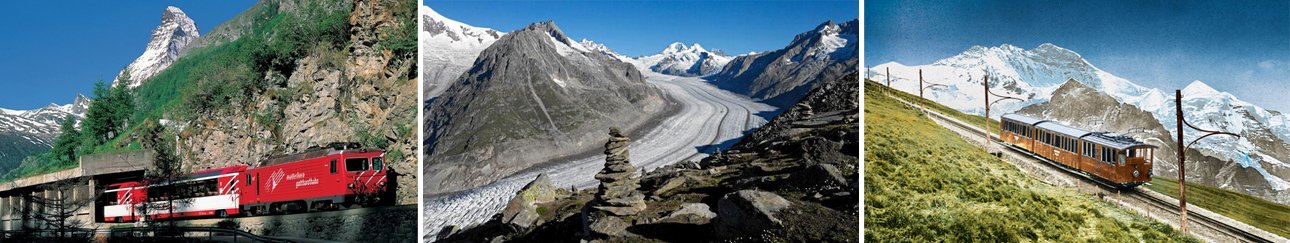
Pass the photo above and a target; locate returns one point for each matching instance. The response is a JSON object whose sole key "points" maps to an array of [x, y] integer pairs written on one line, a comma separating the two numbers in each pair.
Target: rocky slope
{"points": [[168, 41], [1253, 164], [794, 180], [448, 49], [687, 61], [532, 96], [351, 89], [783, 76]]}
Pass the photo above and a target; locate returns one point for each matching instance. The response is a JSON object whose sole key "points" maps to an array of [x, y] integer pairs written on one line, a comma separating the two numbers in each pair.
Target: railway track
{"points": [[1203, 223]]}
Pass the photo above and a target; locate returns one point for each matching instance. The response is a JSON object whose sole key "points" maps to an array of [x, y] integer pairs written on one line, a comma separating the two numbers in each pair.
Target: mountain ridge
{"points": [[531, 96]]}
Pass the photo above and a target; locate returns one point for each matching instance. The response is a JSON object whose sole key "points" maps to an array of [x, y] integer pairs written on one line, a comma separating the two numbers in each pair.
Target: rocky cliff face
{"points": [[794, 180], [782, 76], [361, 93], [532, 96], [168, 40]]}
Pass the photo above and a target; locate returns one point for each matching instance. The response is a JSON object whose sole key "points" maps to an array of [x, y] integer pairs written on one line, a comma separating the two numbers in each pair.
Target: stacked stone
{"points": [[617, 193]]}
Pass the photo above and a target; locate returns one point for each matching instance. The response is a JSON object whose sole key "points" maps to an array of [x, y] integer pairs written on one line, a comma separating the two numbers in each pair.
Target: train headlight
{"points": [[1135, 173], [351, 185]]}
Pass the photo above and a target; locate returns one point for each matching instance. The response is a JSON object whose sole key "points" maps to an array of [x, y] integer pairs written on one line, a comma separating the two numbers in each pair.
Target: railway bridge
{"points": [[20, 199]]}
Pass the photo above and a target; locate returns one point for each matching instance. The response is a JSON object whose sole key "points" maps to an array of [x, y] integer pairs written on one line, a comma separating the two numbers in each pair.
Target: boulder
{"points": [[522, 211], [748, 212], [820, 177], [690, 213]]}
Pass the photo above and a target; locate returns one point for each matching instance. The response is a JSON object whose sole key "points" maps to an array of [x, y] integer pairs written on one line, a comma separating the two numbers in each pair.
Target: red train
{"points": [[1119, 161], [318, 179]]}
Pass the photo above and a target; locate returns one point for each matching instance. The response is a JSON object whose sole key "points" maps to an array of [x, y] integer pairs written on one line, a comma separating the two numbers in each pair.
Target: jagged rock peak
{"points": [[168, 40]]}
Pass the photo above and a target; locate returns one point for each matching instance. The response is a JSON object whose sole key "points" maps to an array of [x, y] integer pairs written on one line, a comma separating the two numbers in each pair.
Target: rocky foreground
{"points": [[795, 179]]}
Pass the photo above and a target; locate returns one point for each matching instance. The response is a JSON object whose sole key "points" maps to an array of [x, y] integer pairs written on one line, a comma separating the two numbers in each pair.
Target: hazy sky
{"points": [[1241, 47], [53, 50], [636, 28]]}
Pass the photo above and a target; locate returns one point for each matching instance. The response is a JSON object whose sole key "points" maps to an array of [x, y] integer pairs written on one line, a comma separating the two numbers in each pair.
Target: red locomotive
{"points": [[318, 179], [1116, 160]]}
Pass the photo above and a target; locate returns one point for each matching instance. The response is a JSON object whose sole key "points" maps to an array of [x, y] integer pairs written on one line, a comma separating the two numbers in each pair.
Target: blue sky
{"points": [[635, 28], [1241, 47], [54, 50]]}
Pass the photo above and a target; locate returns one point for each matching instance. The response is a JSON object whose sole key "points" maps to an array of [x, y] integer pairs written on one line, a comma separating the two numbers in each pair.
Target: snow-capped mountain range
{"points": [[44, 120], [781, 77], [448, 49], [168, 40], [1033, 75], [681, 60]]}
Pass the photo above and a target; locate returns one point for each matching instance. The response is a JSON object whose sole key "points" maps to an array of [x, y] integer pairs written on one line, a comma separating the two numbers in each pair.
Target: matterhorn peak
{"points": [[168, 40]]}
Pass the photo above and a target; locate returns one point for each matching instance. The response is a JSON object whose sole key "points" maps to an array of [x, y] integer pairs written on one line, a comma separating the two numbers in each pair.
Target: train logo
{"points": [[275, 179]]}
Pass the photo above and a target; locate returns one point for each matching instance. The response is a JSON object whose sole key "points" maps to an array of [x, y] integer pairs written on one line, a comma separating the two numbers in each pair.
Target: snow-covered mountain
{"points": [[448, 49], [681, 60], [168, 40], [783, 76], [27, 132], [602, 49], [532, 96], [1034, 74], [1031, 75], [44, 120]]}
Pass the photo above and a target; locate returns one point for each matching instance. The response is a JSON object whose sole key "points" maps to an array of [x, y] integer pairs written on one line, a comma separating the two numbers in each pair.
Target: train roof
{"points": [[1062, 129], [1116, 141], [314, 153], [1022, 119]]}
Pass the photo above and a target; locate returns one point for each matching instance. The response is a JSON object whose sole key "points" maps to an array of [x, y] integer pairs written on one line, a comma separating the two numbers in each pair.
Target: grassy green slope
{"points": [[925, 183], [1266, 215]]}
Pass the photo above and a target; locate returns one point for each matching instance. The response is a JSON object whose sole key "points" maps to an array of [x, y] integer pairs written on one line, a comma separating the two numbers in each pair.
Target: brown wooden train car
{"points": [[1117, 160]]}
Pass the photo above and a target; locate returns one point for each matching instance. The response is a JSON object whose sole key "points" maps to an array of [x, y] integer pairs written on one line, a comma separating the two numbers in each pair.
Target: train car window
{"points": [[110, 197], [355, 164], [332, 166], [248, 179], [378, 163]]}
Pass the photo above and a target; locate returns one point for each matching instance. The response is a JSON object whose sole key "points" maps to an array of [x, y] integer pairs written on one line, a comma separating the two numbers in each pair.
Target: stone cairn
{"points": [[617, 193]]}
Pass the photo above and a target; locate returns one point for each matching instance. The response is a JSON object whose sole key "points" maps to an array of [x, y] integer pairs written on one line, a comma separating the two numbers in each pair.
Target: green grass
{"points": [[925, 183], [975, 120], [1266, 215]]}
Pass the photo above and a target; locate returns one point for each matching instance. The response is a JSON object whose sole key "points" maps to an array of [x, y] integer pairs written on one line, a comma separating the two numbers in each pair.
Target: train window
{"points": [[333, 166], [248, 179], [355, 164], [110, 198], [378, 163]]}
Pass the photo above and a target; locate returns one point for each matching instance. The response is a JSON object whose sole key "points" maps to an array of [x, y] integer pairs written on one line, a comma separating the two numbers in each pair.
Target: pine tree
{"points": [[64, 150]]}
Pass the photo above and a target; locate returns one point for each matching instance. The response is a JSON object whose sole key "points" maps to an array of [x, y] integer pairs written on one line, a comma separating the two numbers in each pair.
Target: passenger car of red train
{"points": [[1118, 160], [318, 179]]}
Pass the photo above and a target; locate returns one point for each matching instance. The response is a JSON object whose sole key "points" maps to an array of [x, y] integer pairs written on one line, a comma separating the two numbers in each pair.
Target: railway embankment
{"points": [[926, 183], [1203, 223]]}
